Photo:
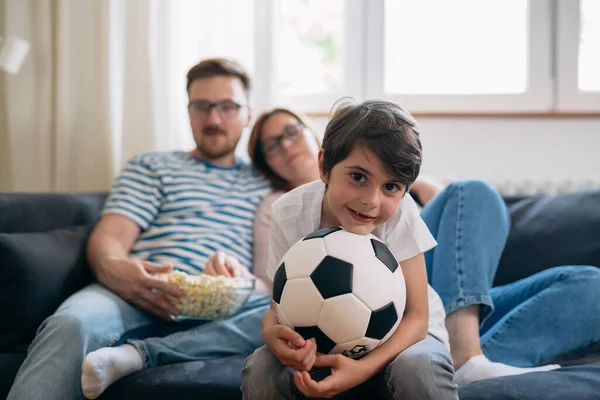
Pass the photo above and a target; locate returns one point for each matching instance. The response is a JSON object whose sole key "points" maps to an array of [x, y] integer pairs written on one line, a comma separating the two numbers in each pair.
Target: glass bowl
{"points": [[208, 297]]}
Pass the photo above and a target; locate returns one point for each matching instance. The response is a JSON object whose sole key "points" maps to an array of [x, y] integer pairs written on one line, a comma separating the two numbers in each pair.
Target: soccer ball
{"points": [[345, 290]]}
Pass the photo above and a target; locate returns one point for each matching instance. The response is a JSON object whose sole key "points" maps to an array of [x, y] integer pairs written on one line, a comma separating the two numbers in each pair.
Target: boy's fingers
{"points": [[285, 353], [305, 351], [291, 336], [327, 360], [309, 361], [317, 388]]}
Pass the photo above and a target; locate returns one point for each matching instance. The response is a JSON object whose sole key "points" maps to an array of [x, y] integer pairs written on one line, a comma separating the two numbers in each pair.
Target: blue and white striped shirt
{"points": [[188, 208]]}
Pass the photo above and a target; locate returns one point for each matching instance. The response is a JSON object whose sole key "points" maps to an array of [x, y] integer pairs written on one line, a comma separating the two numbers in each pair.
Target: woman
{"points": [[517, 326]]}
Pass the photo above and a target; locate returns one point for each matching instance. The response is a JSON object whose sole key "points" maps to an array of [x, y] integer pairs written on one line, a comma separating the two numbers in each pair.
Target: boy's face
{"points": [[360, 194]]}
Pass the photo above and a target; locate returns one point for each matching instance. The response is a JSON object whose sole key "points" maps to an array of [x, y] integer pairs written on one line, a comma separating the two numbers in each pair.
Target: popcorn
{"points": [[207, 296]]}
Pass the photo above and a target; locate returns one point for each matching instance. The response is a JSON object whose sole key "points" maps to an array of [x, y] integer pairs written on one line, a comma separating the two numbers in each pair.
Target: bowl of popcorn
{"points": [[208, 297]]}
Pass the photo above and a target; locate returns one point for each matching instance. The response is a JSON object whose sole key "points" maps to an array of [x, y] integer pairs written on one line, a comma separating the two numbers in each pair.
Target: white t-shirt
{"points": [[298, 213]]}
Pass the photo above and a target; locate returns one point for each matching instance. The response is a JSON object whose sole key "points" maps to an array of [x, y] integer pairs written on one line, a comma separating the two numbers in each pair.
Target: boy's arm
{"points": [[414, 323], [412, 328], [286, 344]]}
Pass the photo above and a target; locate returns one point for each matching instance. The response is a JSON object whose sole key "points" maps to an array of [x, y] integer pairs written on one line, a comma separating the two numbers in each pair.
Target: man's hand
{"points": [[290, 348], [346, 373], [222, 264], [133, 281]]}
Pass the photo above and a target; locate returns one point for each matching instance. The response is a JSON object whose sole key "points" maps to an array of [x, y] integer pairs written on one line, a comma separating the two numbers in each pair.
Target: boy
{"points": [[371, 155]]}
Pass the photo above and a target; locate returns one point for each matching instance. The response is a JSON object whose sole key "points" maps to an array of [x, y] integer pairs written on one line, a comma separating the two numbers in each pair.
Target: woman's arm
{"points": [[415, 321], [426, 189]]}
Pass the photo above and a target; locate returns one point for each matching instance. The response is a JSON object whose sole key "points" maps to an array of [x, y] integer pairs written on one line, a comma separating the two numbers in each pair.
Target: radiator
{"points": [[539, 187]]}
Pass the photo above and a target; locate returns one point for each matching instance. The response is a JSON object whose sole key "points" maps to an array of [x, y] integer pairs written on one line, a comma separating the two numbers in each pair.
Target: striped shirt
{"points": [[187, 208]]}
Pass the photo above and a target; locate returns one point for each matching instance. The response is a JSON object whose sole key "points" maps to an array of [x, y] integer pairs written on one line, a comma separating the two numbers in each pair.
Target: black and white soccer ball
{"points": [[345, 290]]}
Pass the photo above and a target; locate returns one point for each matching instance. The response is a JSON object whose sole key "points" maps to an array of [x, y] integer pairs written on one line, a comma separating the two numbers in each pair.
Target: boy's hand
{"points": [[346, 373], [290, 348]]}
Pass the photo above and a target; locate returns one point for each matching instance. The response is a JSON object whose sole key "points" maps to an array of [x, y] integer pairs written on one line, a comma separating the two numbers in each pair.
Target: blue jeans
{"points": [[94, 317], [523, 323]]}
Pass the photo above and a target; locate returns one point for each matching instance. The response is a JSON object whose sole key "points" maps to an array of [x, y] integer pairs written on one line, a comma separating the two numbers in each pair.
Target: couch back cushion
{"points": [[42, 258], [551, 231], [37, 272], [29, 212]]}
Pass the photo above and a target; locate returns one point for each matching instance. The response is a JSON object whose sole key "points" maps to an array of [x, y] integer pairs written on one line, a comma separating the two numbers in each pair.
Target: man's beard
{"points": [[211, 152]]}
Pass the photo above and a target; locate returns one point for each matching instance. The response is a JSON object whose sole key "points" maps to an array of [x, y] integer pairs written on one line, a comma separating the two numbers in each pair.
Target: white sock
{"points": [[101, 368], [480, 367]]}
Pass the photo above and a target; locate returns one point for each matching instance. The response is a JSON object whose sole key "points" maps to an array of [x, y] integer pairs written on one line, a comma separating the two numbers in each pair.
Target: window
{"points": [[316, 49], [589, 46], [464, 56], [309, 47], [578, 39], [430, 47]]}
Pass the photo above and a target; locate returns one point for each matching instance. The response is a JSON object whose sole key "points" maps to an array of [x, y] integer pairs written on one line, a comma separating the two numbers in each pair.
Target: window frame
{"points": [[352, 64], [551, 77], [569, 97]]}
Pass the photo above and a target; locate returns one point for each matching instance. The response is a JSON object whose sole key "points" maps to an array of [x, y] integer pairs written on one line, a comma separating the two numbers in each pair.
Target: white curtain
{"points": [[105, 79]]}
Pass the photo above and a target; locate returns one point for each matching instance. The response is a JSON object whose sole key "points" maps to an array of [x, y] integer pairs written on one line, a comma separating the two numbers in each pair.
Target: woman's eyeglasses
{"points": [[274, 145]]}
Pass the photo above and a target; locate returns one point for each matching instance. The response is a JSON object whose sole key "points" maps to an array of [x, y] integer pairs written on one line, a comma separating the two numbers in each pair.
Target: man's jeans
{"points": [[94, 317], [525, 322]]}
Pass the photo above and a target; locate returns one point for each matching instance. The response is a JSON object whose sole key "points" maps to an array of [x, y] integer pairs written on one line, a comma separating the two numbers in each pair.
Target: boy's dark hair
{"points": [[212, 67], [383, 127]]}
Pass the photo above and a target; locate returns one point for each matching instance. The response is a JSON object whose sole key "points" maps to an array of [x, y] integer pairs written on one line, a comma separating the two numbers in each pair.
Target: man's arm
{"points": [[108, 255], [112, 237]]}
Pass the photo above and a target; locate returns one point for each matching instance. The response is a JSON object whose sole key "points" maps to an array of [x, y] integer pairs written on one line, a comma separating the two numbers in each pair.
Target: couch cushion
{"points": [[37, 272], [210, 379], [9, 365], [579, 382], [31, 212], [551, 231]]}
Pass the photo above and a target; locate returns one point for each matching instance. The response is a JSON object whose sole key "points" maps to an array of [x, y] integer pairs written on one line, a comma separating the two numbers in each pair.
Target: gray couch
{"points": [[42, 262]]}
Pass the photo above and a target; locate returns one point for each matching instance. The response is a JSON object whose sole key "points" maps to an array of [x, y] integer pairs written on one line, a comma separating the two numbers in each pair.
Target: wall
{"points": [[517, 154]]}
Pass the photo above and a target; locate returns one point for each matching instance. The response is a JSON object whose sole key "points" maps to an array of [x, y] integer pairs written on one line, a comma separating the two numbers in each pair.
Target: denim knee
{"points": [[263, 377], [69, 329], [417, 374], [583, 272], [480, 194]]}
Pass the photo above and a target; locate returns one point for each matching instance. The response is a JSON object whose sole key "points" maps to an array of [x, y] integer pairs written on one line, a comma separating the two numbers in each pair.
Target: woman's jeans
{"points": [[94, 317], [522, 323]]}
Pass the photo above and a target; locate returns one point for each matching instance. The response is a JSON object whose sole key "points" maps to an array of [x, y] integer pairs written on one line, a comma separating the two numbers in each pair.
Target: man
{"points": [[166, 210]]}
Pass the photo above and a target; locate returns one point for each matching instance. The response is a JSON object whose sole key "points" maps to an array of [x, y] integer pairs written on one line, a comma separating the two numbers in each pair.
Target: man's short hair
{"points": [[383, 127], [212, 67]]}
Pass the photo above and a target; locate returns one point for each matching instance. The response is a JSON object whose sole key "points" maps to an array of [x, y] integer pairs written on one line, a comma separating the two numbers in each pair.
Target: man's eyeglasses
{"points": [[274, 145], [226, 109]]}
